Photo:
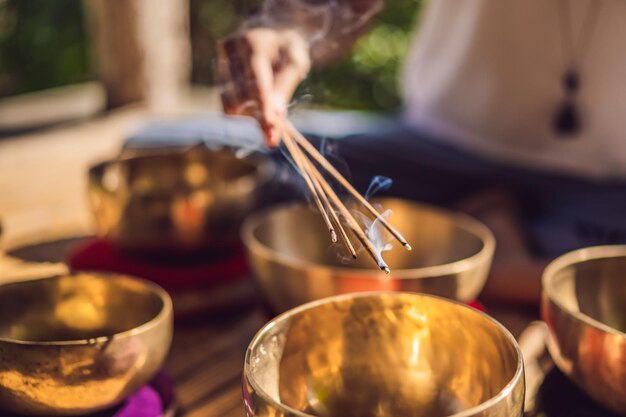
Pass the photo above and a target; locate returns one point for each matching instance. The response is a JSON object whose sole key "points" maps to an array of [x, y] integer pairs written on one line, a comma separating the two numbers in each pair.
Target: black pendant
{"points": [[571, 81], [567, 119]]}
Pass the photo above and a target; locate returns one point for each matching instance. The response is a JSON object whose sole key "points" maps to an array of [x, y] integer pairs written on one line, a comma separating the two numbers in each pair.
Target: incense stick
{"points": [[310, 149], [298, 159], [317, 177], [326, 199], [352, 222], [318, 182]]}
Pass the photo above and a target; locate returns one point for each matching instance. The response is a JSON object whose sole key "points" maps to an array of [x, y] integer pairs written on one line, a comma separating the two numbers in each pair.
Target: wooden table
{"points": [[43, 174], [43, 183], [206, 358], [207, 354], [206, 362]]}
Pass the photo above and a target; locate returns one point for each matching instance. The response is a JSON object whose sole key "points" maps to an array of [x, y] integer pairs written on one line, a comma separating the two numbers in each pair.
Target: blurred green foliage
{"points": [[368, 78], [42, 45], [211, 20], [365, 79]]}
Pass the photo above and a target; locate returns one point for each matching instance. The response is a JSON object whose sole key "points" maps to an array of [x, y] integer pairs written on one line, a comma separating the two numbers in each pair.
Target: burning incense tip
{"points": [[327, 201]]}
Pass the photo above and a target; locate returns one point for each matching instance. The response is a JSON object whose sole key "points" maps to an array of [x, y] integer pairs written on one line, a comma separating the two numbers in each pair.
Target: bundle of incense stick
{"points": [[334, 213]]}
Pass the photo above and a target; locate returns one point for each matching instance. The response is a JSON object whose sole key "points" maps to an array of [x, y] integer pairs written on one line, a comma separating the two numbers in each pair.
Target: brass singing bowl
{"points": [[584, 306], [292, 259], [176, 201], [383, 355], [75, 344]]}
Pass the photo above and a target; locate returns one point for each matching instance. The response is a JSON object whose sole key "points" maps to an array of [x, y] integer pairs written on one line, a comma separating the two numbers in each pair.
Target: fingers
{"points": [[244, 74], [235, 76], [294, 66], [285, 83], [258, 72]]}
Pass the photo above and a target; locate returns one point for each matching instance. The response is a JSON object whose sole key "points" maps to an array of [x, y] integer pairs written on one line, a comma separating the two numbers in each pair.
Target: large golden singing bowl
{"points": [[584, 305], [75, 344], [383, 355], [176, 201], [290, 254]]}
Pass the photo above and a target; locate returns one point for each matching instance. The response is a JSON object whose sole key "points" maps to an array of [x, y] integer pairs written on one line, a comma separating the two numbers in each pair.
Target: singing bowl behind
{"points": [[383, 355], [75, 344], [176, 201], [292, 259], [584, 306]]}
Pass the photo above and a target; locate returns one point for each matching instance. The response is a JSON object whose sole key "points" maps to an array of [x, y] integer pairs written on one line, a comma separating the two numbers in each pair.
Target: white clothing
{"points": [[486, 76]]}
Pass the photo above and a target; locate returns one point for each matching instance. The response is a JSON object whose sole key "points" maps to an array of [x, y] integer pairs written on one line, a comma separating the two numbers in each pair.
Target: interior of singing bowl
{"points": [[75, 307], [438, 237], [591, 286], [166, 171], [383, 355]]}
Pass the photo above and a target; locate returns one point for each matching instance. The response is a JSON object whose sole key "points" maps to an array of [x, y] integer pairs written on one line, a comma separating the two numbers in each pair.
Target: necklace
{"points": [[567, 120]]}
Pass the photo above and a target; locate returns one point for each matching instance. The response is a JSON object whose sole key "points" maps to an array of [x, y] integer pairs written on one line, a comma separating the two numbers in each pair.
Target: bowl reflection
{"points": [[291, 256], [584, 306], [385, 355], [75, 344]]}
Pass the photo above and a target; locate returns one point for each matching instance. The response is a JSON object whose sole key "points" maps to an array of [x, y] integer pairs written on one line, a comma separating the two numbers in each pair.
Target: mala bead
{"points": [[571, 81], [567, 119]]}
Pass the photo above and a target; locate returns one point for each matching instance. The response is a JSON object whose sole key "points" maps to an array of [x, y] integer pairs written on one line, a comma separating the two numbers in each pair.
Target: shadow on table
{"points": [[558, 397], [49, 251]]}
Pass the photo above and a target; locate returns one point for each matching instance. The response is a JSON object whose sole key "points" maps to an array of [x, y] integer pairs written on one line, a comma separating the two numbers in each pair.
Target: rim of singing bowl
{"points": [[262, 166], [571, 259], [462, 220], [519, 368], [157, 320]]}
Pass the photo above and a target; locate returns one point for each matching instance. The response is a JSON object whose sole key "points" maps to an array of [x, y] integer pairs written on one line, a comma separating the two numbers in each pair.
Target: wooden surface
{"points": [[42, 180], [43, 173], [42, 202], [207, 354], [42, 184], [206, 362]]}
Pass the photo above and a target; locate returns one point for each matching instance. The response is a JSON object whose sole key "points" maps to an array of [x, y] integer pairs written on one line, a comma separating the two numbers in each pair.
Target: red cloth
{"points": [[97, 254], [477, 305]]}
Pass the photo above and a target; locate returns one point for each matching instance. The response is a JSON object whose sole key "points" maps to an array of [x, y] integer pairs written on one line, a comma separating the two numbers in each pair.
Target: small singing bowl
{"points": [[292, 259], [76, 344], [584, 306], [383, 355], [175, 202]]}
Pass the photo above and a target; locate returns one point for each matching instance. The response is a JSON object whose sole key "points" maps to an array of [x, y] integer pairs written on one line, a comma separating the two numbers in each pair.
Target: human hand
{"points": [[258, 71]]}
